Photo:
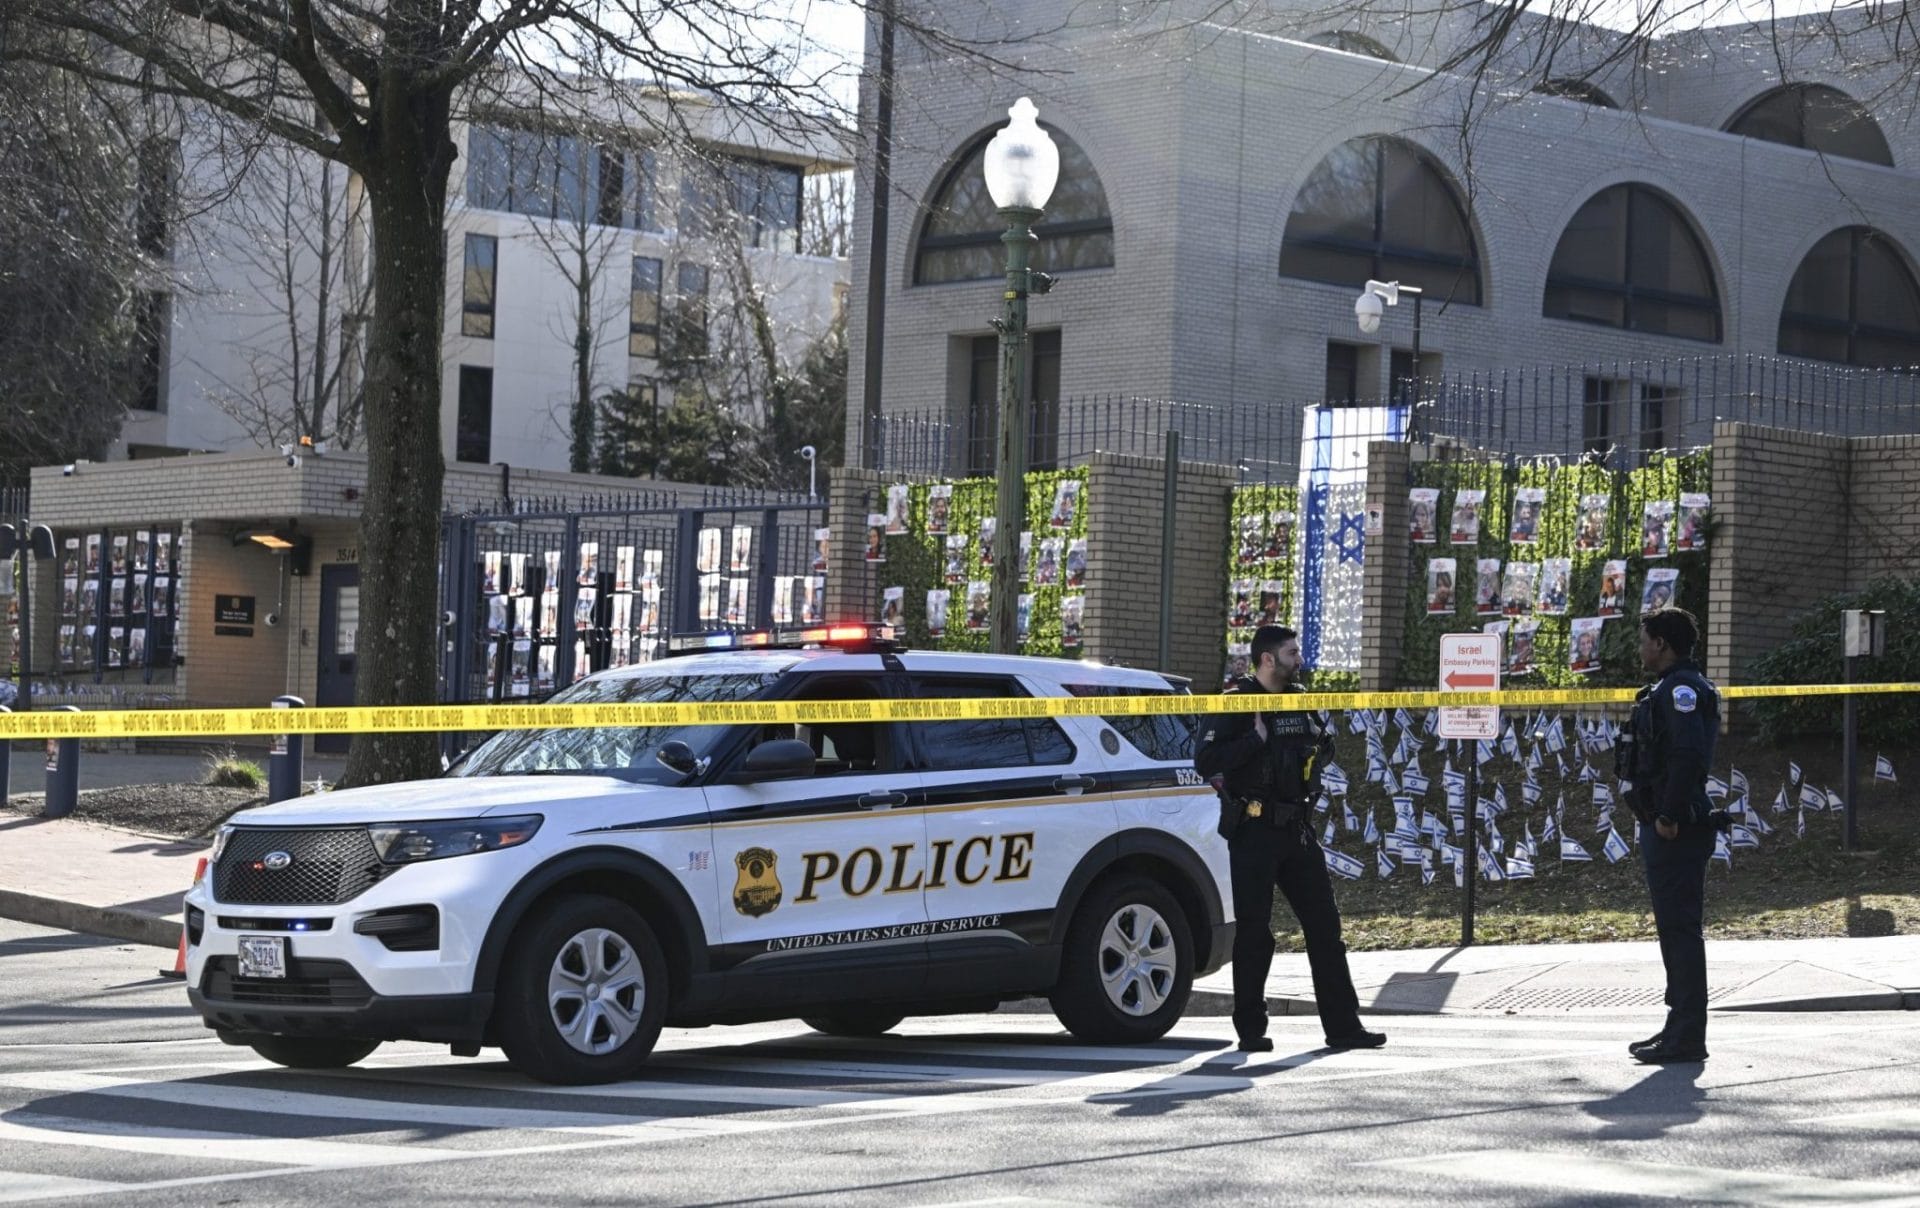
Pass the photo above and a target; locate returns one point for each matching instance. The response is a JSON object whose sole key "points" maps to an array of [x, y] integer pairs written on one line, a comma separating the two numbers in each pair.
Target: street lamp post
{"points": [[1021, 167], [1367, 309]]}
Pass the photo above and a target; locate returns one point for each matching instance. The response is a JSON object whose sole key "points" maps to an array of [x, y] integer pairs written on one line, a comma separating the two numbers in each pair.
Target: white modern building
{"points": [[268, 281], [1230, 181]]}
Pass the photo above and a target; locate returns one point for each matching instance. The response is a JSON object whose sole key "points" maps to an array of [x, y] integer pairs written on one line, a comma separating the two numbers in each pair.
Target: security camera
{"points": [[447, 620], [808, 452], [273, 618], [66, 471], [293, 460], [1367, 309]]}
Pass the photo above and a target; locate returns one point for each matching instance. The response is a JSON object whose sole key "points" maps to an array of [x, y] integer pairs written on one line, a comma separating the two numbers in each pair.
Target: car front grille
{"points": [[309, 983], [325, 867]]}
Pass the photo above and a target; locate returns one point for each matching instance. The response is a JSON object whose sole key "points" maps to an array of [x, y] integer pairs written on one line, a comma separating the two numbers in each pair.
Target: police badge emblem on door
{"points": [[756, 891]]}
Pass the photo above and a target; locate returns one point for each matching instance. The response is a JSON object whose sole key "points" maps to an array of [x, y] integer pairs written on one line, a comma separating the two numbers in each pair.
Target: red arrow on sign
{"points": [[1456, 680]]}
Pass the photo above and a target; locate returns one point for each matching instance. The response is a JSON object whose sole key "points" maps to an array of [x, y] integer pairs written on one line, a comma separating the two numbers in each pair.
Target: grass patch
{"points": [[1790, 889], [226, 770]]}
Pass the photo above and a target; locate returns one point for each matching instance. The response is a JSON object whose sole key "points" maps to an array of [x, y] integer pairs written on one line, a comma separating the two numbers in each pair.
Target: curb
{"points": [[108, 921]]}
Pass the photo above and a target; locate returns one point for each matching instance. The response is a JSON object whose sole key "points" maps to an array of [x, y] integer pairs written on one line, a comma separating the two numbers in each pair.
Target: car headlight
{"points": [[411, 842], [220, 838]]}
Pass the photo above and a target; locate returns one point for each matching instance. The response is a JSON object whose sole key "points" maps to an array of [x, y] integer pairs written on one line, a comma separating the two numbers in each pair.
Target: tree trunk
{"points": [[399, 526]]}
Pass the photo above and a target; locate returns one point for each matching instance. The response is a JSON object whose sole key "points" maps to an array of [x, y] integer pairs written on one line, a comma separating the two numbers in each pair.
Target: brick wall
{"points": [[1883, 536], [1389, 562], [852, 591], [1125, 567]]}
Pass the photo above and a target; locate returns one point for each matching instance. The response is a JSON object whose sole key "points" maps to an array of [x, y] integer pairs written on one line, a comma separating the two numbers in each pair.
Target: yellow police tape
{"points": [[223, 723]]}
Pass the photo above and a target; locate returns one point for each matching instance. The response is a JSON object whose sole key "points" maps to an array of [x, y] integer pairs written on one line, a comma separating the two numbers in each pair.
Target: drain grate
{"points": [[1578, 998]]}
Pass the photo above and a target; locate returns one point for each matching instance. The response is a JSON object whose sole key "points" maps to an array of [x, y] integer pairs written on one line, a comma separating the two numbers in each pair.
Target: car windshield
{"points": [[624, 751]]}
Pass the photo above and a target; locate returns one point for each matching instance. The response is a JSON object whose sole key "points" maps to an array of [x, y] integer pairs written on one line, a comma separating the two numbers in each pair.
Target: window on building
{"points": [[1817, 118], [766, 201], [960, 240], [556, 175], [689, 326], [982, 450], [1630, 259], [1382, 208], [473, 432], [1585, 92], [1353, 44], [477, 287], [610, 208], [1596, 416], [1853, 300], [1343, 374], [1653, 416], [159, 169], [151, 311], [643, 324]]}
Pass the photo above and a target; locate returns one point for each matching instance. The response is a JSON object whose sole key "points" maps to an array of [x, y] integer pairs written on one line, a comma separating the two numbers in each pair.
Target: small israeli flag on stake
{"points": [[1455, 781], [1812, 798], [1382, 863], [1401, 719], [1459, 873], [1333, 778], [1615, 847], [1490, 866], [1520, 868], [1716, 787], [1556, 741], [1326, 839], [1602, 796], [1500, 798], [1780, 801], [1348, 818], [1429, 825], [1530, 793], [1372, 833], [1793, 772], [1426, 867], [1743, 837], [1482, 751], [1883, 769], [1549, 830], [1603, 821], [1509, 745], [1414, 781], [1450, 854], [1344, 866], [1737, 781], [1570, 849], [1758, 822], [1800, 831], [1722, 850], [1834, 803]]}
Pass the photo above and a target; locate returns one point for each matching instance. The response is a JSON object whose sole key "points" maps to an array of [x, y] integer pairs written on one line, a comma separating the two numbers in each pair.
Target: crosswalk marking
{"points": [[34, 1127], [1894, 1120], [1572, 1173], [17, 1187]]}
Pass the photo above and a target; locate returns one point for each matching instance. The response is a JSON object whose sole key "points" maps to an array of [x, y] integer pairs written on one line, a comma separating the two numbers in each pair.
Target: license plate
{"points": [[263, 956]]}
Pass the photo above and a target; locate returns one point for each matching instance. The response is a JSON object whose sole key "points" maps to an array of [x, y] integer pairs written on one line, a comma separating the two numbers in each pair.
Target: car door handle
{"points": [[1067, 784], [738, 810], [881, 801]]}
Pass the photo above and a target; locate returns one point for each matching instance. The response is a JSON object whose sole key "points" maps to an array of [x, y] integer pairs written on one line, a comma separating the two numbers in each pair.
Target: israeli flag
{"points": [[1376, 768], [1716, 787], [1357, 722], [1603, 821], [1556, 741], [1403, 807], [1449, 854], [1812, 798], [1495, 840], [1459, 873], [1587, 774], [1348, 819], [1456, 799], [1388, 784], [1382, 863], [1570, 849], [1793, 772], [1800, 831], [1490, 866], [1758, 822], [1722, 850], [1510, 745], [1602, 796], [1530, 792], [1834, 803], [1322, 804], [1550, 830], [1526, 840], [1429, 825], [1500, 797], [1456, 782], [1482, 751], [1426, 867], [1883, 769], [1615, 847], [1344, 866], [1401, 719], [1414, 782], [1520, 868], [1780, 801], [1326, 838], [1395, 845], [1372, 834], [1739, 806], [1743, 837], [1333, 778]]}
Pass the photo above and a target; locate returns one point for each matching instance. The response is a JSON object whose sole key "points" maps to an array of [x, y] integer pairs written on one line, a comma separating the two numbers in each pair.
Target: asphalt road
{"points": [[110, 1091]]}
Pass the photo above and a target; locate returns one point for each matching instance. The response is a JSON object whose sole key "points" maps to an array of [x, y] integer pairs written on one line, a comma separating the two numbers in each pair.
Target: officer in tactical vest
{"points": [[1663, 760], [1266, 767]]}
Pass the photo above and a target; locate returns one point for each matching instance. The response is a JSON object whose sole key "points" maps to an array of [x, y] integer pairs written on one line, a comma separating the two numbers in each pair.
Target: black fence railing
{"points": [[1618, 411]]}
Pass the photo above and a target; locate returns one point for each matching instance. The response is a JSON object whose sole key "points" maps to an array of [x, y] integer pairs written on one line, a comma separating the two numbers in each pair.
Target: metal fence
{"points": [[542, 592], [1616, 411]]}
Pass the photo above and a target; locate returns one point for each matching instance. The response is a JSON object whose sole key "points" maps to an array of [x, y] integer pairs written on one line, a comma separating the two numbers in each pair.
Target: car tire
{"points": [[1103, 996], [585, 992], [312, 1052], [855, 1021]]}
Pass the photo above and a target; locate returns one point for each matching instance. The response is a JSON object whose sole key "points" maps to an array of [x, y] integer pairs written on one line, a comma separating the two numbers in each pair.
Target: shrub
{"points": [[1812, 656], [227, 770]]}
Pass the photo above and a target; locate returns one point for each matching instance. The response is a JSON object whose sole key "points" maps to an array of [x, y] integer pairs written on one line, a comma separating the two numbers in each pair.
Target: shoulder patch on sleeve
{"points": [[1685, 700]]}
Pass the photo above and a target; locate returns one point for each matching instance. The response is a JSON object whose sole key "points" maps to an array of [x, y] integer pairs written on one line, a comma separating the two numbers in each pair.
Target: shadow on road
{"points": [[1667, 1098]]}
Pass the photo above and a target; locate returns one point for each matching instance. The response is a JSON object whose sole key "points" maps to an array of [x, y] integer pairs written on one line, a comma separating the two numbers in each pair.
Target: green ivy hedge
{"points": [[917, 561], [1812, 656], [1664, 477]]}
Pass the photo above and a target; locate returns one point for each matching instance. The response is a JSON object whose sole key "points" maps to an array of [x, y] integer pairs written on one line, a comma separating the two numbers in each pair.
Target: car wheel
{"points": [[312, 1052], [1127, 969], [854, 1021], [585, 993]]}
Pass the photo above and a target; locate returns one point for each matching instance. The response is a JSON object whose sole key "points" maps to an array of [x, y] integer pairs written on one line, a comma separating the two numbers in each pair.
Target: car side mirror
{"points": [[677, 756], [779, 759]]}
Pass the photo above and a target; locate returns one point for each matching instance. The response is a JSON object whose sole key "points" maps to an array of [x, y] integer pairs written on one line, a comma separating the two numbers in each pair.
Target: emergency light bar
{"points": [[856, 636]]}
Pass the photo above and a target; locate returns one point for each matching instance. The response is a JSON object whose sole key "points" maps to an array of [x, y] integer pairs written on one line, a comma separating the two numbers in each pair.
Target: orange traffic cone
{"points": [[179, 969]]}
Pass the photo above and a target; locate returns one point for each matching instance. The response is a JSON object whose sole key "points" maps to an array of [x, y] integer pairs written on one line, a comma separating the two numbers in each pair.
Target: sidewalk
{"points": [[85, 877]]}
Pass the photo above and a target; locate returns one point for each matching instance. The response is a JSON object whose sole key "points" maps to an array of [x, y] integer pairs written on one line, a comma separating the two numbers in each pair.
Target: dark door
{"points": [[339, 639]]}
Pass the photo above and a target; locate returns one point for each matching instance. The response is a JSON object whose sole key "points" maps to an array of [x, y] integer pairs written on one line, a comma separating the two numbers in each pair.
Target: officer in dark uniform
{"points": [[1266, 768], [1664, 758]]}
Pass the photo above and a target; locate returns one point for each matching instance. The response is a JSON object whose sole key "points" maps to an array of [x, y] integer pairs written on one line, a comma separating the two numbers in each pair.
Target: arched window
{"points": [[1353, 44], [1381, 207], [1815, 117], [1853, 300], [1630, 259], [960, 240], [1577, 90]]}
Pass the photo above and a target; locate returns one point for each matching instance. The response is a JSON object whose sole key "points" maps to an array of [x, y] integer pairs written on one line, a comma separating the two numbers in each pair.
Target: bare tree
{"points": [[391, 79], [293, 221]]}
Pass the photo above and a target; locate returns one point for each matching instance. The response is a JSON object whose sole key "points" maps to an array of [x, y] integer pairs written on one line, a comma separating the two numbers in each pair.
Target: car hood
{"points": [[448, 797]]}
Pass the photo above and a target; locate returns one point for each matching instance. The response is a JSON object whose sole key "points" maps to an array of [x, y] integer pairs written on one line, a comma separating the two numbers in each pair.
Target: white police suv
{"points": [[564, 894]]}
